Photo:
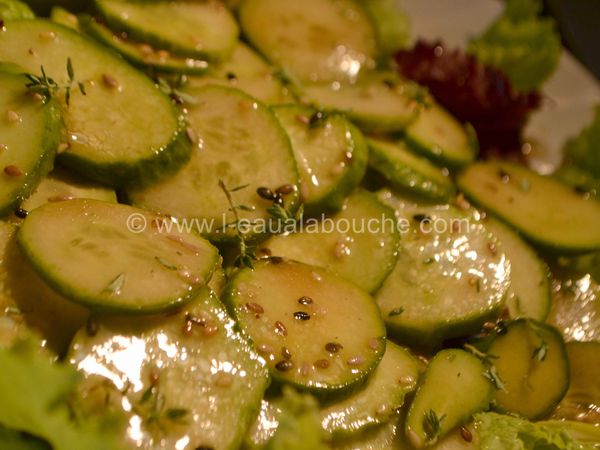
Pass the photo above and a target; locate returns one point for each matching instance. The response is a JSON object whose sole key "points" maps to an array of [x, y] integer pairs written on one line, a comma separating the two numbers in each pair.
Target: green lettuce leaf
{"points": [[299, 424], [14, 9], [392, 24], [35, 398], [583, 150], [502, 432], [520, 43]]}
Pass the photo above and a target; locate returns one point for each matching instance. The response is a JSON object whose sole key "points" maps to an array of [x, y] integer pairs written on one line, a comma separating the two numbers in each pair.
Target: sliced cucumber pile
{"points": [[112, 257], [527, 201], [336, 247], [103, 141], [315, 330], [452, 275], [186, 377], [194, 29], [330, 152], [30, 132]]}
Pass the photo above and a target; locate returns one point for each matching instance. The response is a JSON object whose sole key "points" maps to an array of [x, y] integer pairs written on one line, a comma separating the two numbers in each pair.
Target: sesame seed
{"points": [[304, 300], [266, 252], [255, 308], [13, 171], [381, 409], [286, 189], [374, 343], [91, 326], [223, 379], [210, 330], [276, 260], [280, 328], [406, 380], [322, 363], [304, 120], [493, 249], [488, 326], [21, 213], [60, 198], [305, 369], [466, 434], [191, 135], [285, 353], [301, 315], [422, 218], [265, 193], [3, 147], [145, 49], [264, 349], [109, 81], [63, 147], [284, 366], [333, 347], [231, 76], [356, 361], [13, 117], [47, 35], [338, 169], [37, 96], [163, 54]]}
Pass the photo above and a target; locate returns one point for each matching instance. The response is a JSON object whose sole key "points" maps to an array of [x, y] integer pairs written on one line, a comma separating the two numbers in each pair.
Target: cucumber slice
{"points": [[30, 132], [374, 104], [453, 388], [64, 17], [15, 10], [186, 377], [582, 401], [330, 152], [532, 363], [439, 136], [451, 274], [315, 40], [141, 54], [383, 437], [404, 170], [315, 330], [529, 294], [527, 201], [345, 252], [240, 142], [111, 257], [103, 127], [264, 426], [195, 29], [60, 185], [375, 403], [28, 305], [247, 71]]}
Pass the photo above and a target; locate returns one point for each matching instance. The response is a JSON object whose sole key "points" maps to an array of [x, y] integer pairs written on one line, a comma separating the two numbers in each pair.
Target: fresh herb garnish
{"points": [[115, 286], [432, 425], [174, 90], [47, 87], [492, 375], [151, 408]]}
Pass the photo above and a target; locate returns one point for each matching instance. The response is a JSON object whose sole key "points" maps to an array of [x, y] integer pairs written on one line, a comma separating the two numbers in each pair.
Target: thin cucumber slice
{"points": [[450, 272], [330, 152], [384, 437], [405, 170], [374, 104], [248, 72], [60, 185], [64, 17], [315, 330], [30, 132], [315, 40], [240, 142], [532, 363], [141, 54], [111, 257], [439, 136], [28, 305], [200, 30], [582, 401], [186, 377], [344, 242], [527, 201], [530, 289], [375, 403], [453, 388], [103, 127], [264, 426]]}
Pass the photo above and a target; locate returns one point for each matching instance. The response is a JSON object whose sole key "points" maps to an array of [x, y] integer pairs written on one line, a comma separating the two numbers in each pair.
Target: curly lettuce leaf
{"points": [[392, 24], [583, 151], [502, 432], [299, 424], [34, 398], [14, 9], [520, 43]]}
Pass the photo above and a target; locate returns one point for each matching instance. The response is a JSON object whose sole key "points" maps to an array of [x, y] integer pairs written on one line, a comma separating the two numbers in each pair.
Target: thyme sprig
{"points": [[432, 425], [173, 90], [47, 87], [151, 408], [491, 372]]}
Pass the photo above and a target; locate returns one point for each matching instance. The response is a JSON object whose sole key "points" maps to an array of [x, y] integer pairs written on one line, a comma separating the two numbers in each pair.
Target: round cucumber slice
{"points": [[439, 136], [141, 54], [344, 242], [453, 388], [30, 131], [375, 403], [532, 363], [528, 202], [112, 257], [405, 170], [186, 377], [529, 294], [316, 40], [315, 330], [240, 142], [200, 30], [330, 152], [124, 130], [451, 275]]}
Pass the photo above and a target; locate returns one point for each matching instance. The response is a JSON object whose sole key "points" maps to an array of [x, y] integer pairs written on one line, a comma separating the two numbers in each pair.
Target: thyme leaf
{"points": [[47, 87], [432, 424]]}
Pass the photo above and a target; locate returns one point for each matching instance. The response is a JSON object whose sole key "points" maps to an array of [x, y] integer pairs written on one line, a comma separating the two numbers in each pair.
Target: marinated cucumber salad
{"points": [[236, 225]]}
